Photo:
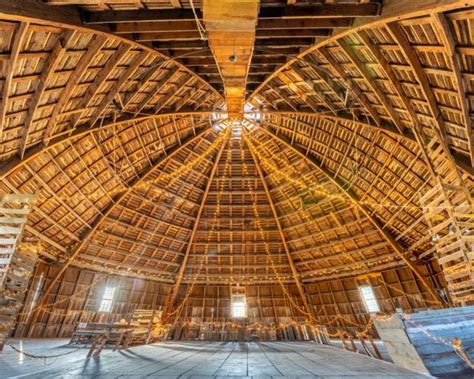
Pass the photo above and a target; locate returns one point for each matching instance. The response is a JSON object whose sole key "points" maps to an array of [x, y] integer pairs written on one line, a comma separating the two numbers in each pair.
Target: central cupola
{"points": [[230, 26]]}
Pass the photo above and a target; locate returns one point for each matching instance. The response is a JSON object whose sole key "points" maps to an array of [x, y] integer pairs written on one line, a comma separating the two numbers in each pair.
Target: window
{"points": [[368, 297], [107, 299], [239, 306]]}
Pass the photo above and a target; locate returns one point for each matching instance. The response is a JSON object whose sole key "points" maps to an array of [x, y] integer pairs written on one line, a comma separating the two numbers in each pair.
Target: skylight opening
{"points": [[369, 299]]}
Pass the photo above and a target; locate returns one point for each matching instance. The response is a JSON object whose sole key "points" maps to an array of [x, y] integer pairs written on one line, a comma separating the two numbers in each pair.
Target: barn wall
{"points": [[76, 298], [394, 289]]}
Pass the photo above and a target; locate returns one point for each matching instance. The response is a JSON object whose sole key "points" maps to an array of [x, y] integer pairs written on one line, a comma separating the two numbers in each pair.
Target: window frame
{"points": [[107, 300], [238, 301], [369, 300]]}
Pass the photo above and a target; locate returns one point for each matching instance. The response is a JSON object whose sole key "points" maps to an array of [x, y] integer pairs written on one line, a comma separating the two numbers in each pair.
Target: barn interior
{"points": [[245, 188]]}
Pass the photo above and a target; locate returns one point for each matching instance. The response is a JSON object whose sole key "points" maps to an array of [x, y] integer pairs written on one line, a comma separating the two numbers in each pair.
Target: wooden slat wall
{"points": [[396, 288], [266, 304], [77, 301]]}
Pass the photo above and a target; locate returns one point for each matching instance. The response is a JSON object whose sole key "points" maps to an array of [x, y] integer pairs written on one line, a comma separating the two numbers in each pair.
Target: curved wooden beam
{"points": [[294, 271], [397, 247], [179, 276], [461, 161], [392, 10], [7, 167], [86, 236]]}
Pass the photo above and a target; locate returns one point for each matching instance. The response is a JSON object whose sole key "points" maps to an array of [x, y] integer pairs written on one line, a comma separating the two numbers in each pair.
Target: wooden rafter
{"points": [[356, 92], [12, 164], [410, 55], [397, 247], [53, 60], [132, 68], [7, 81], [95, 45], [179, 276], [349, 51], [296, 276], [407, 135], [106, 212], [447, 37]]}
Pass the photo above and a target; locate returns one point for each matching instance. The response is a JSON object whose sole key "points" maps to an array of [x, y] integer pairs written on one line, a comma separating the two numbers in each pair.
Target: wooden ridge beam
{"points": [[284, 242], [397, 247], [230, 27], [180, 274]]}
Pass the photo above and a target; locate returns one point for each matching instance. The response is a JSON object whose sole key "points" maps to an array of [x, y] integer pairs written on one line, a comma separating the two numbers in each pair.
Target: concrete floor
{"points": [[198, 360]]}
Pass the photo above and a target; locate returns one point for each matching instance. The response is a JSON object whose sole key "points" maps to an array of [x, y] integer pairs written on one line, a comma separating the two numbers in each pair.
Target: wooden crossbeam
{"points": [[323, 11], [263, 24]]}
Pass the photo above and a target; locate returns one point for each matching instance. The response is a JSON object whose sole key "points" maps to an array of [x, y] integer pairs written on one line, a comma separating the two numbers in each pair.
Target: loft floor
{"points": [[200, 360]]}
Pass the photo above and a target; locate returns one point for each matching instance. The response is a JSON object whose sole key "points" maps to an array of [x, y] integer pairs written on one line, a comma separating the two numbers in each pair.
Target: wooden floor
{"points": [[199, 360]]}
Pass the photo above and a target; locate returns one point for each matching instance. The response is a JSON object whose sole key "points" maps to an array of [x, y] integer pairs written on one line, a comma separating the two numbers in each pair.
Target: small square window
{"points": [[369, 299]]}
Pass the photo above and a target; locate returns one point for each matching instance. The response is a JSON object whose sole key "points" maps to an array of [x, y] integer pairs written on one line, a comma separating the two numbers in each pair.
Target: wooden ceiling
{"points": [[127, 151], [284, 29]]}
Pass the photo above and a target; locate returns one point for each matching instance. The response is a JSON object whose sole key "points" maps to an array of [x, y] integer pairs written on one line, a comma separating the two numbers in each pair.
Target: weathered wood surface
{"points": [[439, 358], [205, 359]]}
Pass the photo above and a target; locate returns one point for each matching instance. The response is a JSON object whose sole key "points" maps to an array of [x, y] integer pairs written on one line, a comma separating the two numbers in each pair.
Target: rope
{"points": [[35, 356], [200, 26]]}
